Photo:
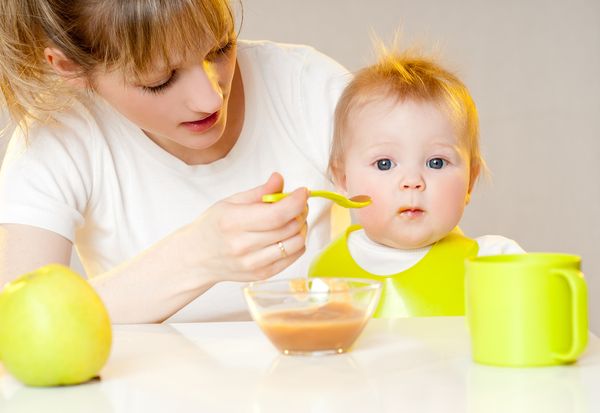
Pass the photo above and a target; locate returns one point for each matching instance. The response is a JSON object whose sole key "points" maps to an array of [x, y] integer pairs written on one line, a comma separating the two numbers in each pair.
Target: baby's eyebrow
{"points": [[451, 146], [384, 144]]}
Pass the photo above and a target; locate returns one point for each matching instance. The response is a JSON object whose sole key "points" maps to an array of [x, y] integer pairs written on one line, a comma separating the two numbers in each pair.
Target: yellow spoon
{"points": [[357, 201]]}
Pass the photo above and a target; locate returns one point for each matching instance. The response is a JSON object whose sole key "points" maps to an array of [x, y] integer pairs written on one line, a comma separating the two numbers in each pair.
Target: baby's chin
{"points": [[400, 242]]}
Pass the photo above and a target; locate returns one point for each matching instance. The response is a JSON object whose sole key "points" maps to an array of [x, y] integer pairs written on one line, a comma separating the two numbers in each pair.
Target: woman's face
{"points": [[183, 109]]}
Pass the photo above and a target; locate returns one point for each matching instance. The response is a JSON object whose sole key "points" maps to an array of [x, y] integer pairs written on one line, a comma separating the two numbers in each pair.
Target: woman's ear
{"points": [[65, 67]]}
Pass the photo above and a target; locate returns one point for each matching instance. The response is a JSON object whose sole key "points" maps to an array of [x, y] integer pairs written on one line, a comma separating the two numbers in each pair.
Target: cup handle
{"points": [[579, 331]]}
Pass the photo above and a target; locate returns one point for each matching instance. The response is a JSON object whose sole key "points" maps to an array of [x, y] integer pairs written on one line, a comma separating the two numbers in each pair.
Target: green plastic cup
{"points": [[526, 309]]}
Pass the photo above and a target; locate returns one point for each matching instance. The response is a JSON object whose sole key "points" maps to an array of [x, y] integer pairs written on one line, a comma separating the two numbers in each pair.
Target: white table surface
{"points": [[405, 365]]}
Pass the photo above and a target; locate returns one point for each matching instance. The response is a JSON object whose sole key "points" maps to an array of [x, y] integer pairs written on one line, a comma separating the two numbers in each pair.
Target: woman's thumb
{"points": [[274, 184]]}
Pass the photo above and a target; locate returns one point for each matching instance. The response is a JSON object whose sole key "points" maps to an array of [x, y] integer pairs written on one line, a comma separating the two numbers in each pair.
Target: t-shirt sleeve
{"points": [[46, 178], [320, 84], [497, 245]]}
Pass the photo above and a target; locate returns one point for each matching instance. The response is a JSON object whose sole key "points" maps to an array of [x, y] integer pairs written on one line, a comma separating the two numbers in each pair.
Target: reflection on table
{"points": [[408, 365]]}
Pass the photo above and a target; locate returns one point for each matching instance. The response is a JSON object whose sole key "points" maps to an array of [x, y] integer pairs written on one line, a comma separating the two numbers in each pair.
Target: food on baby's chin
{"points": [[329, 327]]}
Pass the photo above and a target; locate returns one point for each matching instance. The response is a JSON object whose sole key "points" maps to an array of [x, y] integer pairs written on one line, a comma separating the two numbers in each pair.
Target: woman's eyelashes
{"points": [[212, 55], [221, 50], [163, 86]]}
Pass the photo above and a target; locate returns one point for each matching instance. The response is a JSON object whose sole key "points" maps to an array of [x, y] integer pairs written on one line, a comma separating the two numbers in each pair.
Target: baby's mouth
{"points": [[410, 212]]}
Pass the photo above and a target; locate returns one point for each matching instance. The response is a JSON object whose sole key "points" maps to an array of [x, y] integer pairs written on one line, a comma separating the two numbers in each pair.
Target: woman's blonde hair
{"points": [[408, 76], [132, 35]]}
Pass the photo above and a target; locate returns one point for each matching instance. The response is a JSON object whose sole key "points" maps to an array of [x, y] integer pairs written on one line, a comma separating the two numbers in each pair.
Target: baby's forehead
{"points": [[381, 106], [378, 111], [392, 122], [382, 103]]}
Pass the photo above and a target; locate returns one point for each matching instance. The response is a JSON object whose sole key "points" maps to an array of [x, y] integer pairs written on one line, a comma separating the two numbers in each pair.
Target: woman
{"points": [[138, 120]]}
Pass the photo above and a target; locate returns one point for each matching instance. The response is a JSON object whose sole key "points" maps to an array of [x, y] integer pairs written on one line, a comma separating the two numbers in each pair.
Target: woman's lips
{"points": [[201, 125]]}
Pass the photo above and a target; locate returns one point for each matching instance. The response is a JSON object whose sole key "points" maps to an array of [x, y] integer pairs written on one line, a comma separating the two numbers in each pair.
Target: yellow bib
{"points": [[432, 287]]}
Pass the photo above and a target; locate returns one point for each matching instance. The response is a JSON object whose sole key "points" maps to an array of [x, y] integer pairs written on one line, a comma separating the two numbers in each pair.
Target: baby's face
{"points": [[408, 158]]}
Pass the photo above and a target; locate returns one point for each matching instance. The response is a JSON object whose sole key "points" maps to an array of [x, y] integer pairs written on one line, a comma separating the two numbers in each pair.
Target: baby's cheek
{"points": [[450, 204], [373, 215], [370, 217]]}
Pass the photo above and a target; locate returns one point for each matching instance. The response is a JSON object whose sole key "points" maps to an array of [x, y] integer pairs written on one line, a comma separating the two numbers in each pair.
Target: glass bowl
{"points": [[311, 316]]}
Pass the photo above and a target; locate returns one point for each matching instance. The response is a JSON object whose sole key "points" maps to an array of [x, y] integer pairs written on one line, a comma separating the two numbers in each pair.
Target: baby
{"points": [[406, 133]]}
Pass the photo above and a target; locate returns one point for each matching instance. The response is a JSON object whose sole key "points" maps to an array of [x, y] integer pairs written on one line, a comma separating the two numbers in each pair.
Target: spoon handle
{"points": [[270, 198], [327, 195], [278, 196], [335, 197]]}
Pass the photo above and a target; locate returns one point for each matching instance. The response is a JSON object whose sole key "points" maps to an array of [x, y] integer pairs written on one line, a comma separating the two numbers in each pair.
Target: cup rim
{"points": [[369, 284], [526, 258]]}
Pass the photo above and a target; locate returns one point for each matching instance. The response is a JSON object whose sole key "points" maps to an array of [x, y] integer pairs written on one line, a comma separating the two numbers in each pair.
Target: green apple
{"points": [[54, 329]]}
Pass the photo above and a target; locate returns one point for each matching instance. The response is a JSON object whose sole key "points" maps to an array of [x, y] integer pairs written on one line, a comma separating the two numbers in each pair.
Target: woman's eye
{"points": [[436, 163], [384, 164], [163, 86], [220, 51]]}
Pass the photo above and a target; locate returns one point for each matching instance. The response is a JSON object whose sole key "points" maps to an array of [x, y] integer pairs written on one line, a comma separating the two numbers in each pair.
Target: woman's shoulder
{"points": [[267, 48], [75, 135], [78, 118], [275, 56], [85, 122]]}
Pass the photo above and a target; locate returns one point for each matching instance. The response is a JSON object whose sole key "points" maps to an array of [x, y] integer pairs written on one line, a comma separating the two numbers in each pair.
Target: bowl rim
{"points": [[369, 284]]}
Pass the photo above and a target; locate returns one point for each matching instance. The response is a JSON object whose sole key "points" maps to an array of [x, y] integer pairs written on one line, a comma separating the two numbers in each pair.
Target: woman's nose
{"points": [[204, 92]]}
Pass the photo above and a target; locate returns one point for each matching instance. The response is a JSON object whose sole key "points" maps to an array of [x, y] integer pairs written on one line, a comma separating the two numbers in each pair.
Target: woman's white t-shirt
{"points": [[99, 181]]}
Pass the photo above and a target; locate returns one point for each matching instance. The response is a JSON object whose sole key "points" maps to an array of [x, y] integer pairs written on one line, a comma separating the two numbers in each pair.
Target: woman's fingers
{"points": [[274, 184], [273, 258], [252, 241], [254, 215], [277, 266], [266, 217]]}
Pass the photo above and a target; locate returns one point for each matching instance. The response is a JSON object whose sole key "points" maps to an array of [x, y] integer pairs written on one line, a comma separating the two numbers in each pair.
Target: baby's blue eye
{"points": [[384, 164], [436, 163]]}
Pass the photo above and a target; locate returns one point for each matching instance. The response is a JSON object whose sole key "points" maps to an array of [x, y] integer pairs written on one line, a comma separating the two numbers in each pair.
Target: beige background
{"points": [[532, 67]]}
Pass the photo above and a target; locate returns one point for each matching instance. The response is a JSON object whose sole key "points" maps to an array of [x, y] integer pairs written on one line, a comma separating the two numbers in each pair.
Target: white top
{"points": [[380, 259], [412, 365], [98, 180]]}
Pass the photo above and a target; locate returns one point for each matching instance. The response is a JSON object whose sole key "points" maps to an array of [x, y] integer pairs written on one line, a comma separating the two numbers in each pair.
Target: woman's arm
{"points": [[234, 240], [24, 248]]}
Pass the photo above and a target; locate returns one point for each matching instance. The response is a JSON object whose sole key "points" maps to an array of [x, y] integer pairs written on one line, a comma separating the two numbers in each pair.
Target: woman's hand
{"points": [[243, 239], [237, 239]]}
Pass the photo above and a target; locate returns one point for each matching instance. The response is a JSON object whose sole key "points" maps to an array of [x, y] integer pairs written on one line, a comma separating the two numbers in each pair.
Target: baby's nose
{"points": [[413, 181]]}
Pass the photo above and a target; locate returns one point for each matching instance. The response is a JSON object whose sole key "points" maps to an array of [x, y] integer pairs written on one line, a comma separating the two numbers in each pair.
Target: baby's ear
{"points": [[473, 176], [339, 177]]}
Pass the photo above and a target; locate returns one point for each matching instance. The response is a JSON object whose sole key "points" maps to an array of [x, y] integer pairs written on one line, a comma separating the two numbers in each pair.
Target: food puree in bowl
{"points": [[327, 328]]}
